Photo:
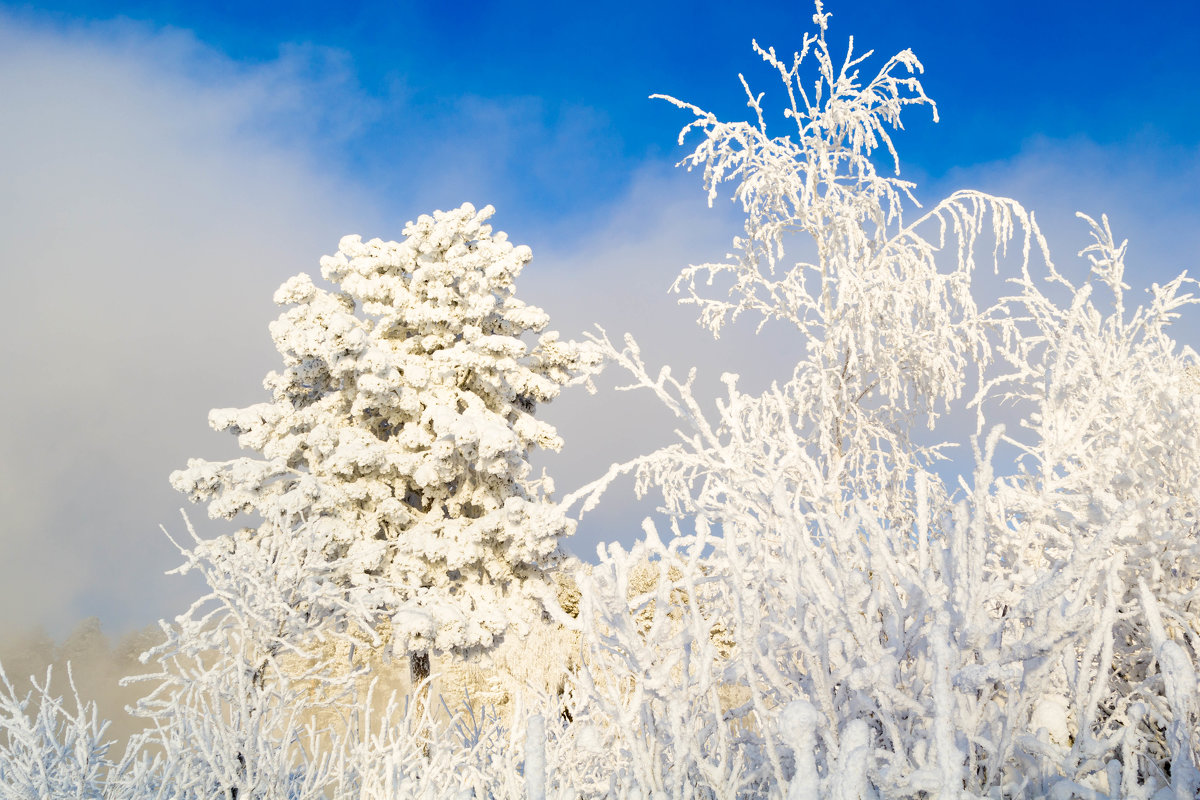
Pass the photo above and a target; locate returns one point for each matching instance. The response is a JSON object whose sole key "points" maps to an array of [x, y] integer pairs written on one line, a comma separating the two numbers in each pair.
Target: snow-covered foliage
{"points": [[829, 616], [831, 619], [48, 748], [237, 711], [242, 685], [399, 431]]}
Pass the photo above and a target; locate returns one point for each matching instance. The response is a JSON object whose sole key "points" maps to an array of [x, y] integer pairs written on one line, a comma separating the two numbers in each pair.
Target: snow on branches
{"points": [[399, 431], [890, 332], [883, 633]]}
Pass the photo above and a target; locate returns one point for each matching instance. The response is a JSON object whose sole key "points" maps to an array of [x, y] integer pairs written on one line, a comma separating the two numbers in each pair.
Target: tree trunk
{"points": [[418, 672], [418, 669]]}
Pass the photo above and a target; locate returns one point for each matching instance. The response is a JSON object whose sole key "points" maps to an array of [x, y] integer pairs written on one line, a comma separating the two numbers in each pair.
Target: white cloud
{"points": [[617, 274], [145, 220], [1148, 191]]}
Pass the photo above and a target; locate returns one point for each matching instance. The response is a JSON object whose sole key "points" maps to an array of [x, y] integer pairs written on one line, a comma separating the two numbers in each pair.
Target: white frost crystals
{"points": [[832, 617], [399, 431]]}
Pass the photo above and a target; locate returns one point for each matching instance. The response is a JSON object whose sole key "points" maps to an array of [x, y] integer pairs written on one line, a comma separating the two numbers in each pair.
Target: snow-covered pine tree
{"points": [[395, 445]]}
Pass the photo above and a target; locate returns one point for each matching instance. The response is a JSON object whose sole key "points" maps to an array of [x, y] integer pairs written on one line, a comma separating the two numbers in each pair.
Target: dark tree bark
{"points": [[418, 666], [418, 671]]}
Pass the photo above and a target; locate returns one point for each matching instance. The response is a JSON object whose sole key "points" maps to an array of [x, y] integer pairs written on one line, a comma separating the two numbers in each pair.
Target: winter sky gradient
{"points": [[164, 166]]}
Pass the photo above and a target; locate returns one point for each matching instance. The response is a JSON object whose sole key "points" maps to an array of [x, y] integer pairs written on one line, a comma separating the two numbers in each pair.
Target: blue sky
{"points": [[553, 96], [164, 166]]}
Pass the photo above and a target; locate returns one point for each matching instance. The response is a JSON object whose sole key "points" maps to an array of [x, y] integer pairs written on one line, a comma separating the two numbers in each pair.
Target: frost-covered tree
{"points": [[398, 435], [831, 618]]}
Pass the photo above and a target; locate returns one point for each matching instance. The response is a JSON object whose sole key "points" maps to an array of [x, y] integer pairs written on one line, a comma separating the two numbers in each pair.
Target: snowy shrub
{"points": [[47, 749], [239, 710], [244, 701]]}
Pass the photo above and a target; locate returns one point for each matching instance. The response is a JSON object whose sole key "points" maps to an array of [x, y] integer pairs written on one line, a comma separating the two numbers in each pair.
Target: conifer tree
{"points": [[395, 446]]}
